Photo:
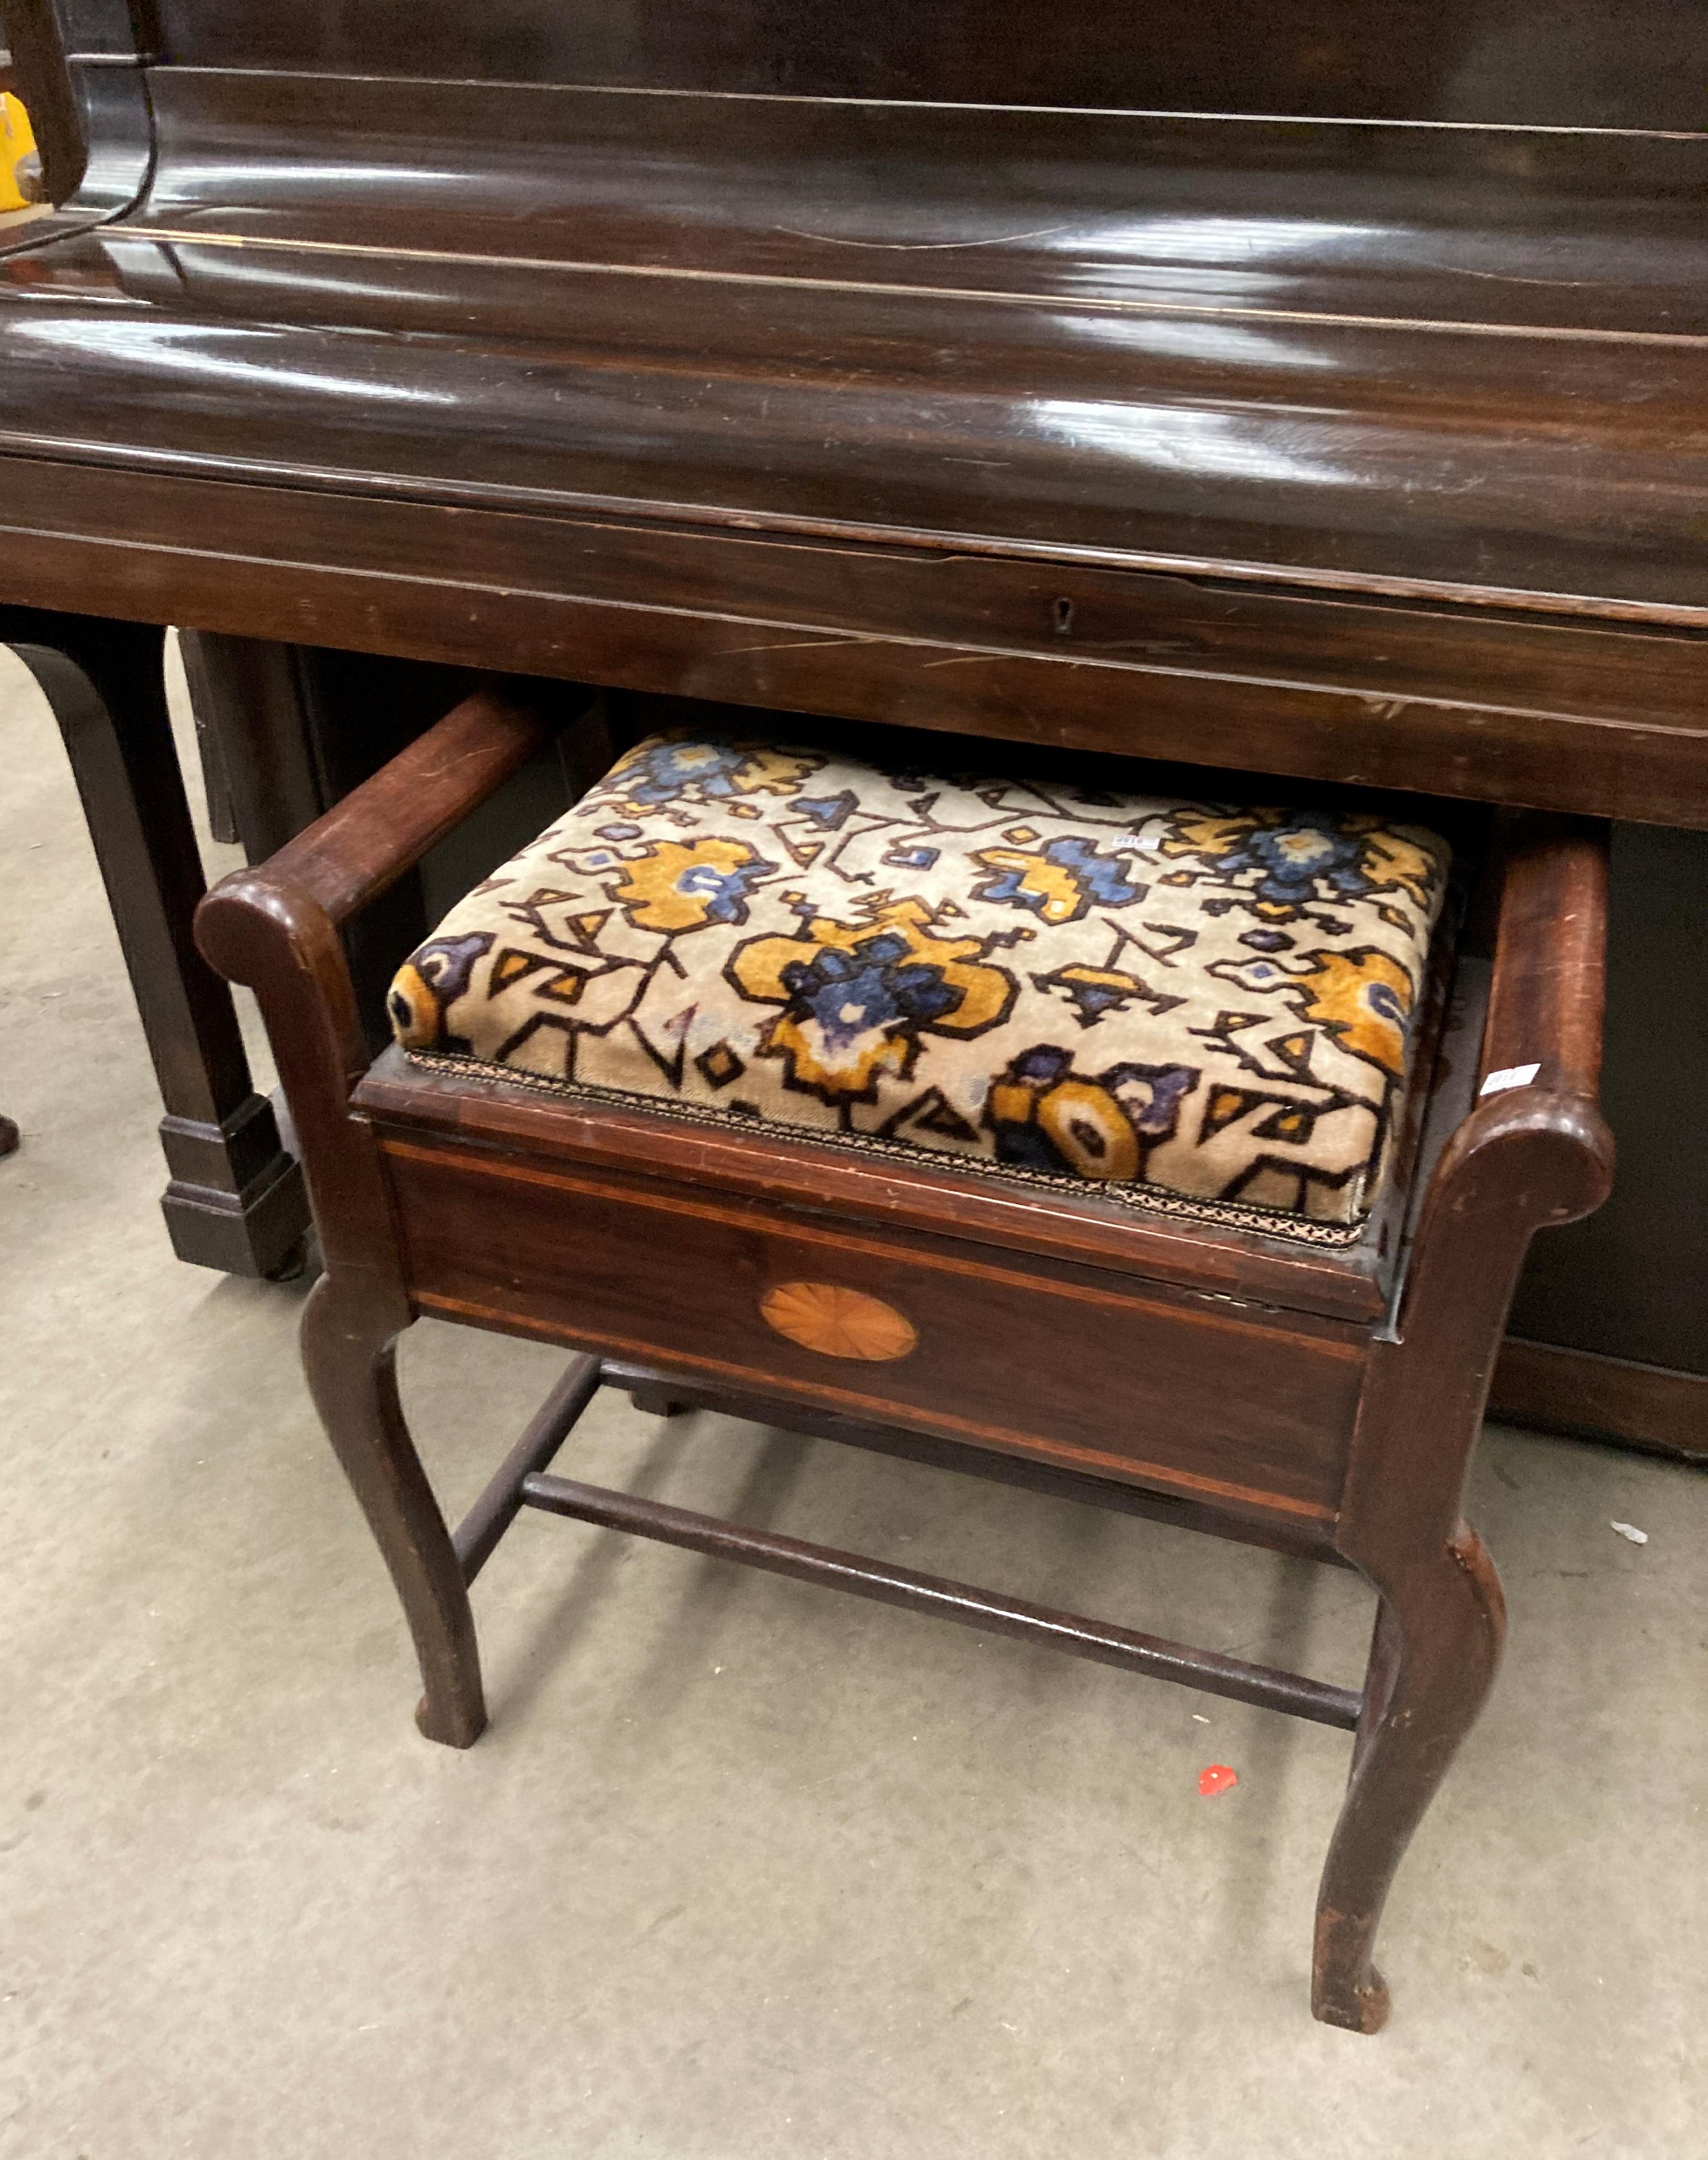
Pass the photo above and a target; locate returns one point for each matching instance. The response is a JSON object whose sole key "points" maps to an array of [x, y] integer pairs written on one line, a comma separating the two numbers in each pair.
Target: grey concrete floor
{"points": [[742, 1869]]}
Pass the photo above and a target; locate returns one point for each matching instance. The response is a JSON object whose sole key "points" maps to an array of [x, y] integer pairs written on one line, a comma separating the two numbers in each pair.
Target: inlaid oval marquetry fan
{"points": [[838, 1323]]}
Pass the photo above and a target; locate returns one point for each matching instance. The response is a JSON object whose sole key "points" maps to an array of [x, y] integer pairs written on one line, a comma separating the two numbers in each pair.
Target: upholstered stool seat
{"points": [[1203, 1007]]}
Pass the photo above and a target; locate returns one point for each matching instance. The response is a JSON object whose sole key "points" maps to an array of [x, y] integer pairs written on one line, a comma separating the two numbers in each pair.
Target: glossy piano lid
{"points": [[1464, 359]]}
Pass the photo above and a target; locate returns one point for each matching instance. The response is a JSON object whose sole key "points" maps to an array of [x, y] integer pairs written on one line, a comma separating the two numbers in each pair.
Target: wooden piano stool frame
{"points": [[1265, 1413]]}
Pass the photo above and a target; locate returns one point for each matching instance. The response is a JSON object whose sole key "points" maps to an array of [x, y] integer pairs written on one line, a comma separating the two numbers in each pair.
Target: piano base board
{"points": [[1586, 1396]]}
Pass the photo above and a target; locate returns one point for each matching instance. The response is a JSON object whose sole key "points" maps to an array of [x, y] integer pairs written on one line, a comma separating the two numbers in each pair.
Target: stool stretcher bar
{"points": [[522, 1482], [476, 1536]]}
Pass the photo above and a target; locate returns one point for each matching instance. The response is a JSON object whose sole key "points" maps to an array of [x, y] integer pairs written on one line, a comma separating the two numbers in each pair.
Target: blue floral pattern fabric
{"points": [[1196, 1007]]}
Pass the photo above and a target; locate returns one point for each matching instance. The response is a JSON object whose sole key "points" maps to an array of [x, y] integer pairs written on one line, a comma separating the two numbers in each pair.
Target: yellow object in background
{"points": [[16, 143]]}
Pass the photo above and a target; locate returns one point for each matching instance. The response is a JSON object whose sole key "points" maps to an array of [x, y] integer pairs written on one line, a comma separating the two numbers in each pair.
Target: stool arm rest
{"points": [[274, 927], [1548, 993], [1536, 1150], [1552, 1152], [383, 829]]}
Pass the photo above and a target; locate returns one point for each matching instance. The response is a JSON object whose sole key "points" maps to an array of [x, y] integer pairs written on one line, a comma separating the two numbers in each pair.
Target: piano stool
{"points": [[1304, 1368]]}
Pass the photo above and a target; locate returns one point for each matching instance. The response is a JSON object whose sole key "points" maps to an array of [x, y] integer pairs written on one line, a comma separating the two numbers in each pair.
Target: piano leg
{"points": [[235, 1199], [292, 728]]}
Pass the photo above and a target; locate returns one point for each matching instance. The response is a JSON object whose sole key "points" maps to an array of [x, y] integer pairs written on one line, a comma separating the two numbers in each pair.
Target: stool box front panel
{"points": [[1197, 1394]]}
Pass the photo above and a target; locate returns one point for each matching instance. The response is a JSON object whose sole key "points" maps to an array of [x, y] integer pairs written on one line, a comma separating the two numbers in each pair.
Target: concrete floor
{"points": [[743, 1869]]}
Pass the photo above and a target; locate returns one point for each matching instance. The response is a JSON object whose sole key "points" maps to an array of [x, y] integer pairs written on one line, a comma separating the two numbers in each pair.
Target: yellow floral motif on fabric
{"points": [[678, 887], [834, 1072], [1364, 999], [844, 1026], [1055, 889], [984, 992], [1210, 833], [1394, 862], [1300, 859], [756, 769], [415, 1011], [1088, 1127]]}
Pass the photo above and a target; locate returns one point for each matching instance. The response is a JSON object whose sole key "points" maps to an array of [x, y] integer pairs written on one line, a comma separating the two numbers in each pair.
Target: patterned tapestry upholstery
{"points": [[1206, 1009]]}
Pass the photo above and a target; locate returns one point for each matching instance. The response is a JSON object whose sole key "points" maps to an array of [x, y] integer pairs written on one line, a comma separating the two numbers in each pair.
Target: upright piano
{"points": [[1314, 387]]}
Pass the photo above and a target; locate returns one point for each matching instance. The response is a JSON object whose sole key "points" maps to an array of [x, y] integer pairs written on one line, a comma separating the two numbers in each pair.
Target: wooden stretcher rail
{"points": [[1105, 1645], [477, 1535], [520, 1482]]}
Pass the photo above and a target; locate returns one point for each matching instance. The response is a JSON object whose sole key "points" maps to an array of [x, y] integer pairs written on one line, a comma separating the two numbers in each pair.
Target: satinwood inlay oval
{"points": [[838, 1323]]}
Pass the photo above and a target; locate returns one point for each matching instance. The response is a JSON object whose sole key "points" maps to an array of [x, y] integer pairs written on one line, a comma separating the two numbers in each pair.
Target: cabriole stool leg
{"points": [[350, 1359], [1437, 1643]]}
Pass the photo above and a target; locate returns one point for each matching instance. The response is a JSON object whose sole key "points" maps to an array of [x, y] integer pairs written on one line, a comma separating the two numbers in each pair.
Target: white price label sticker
{"points": [[1509, 1076]]}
